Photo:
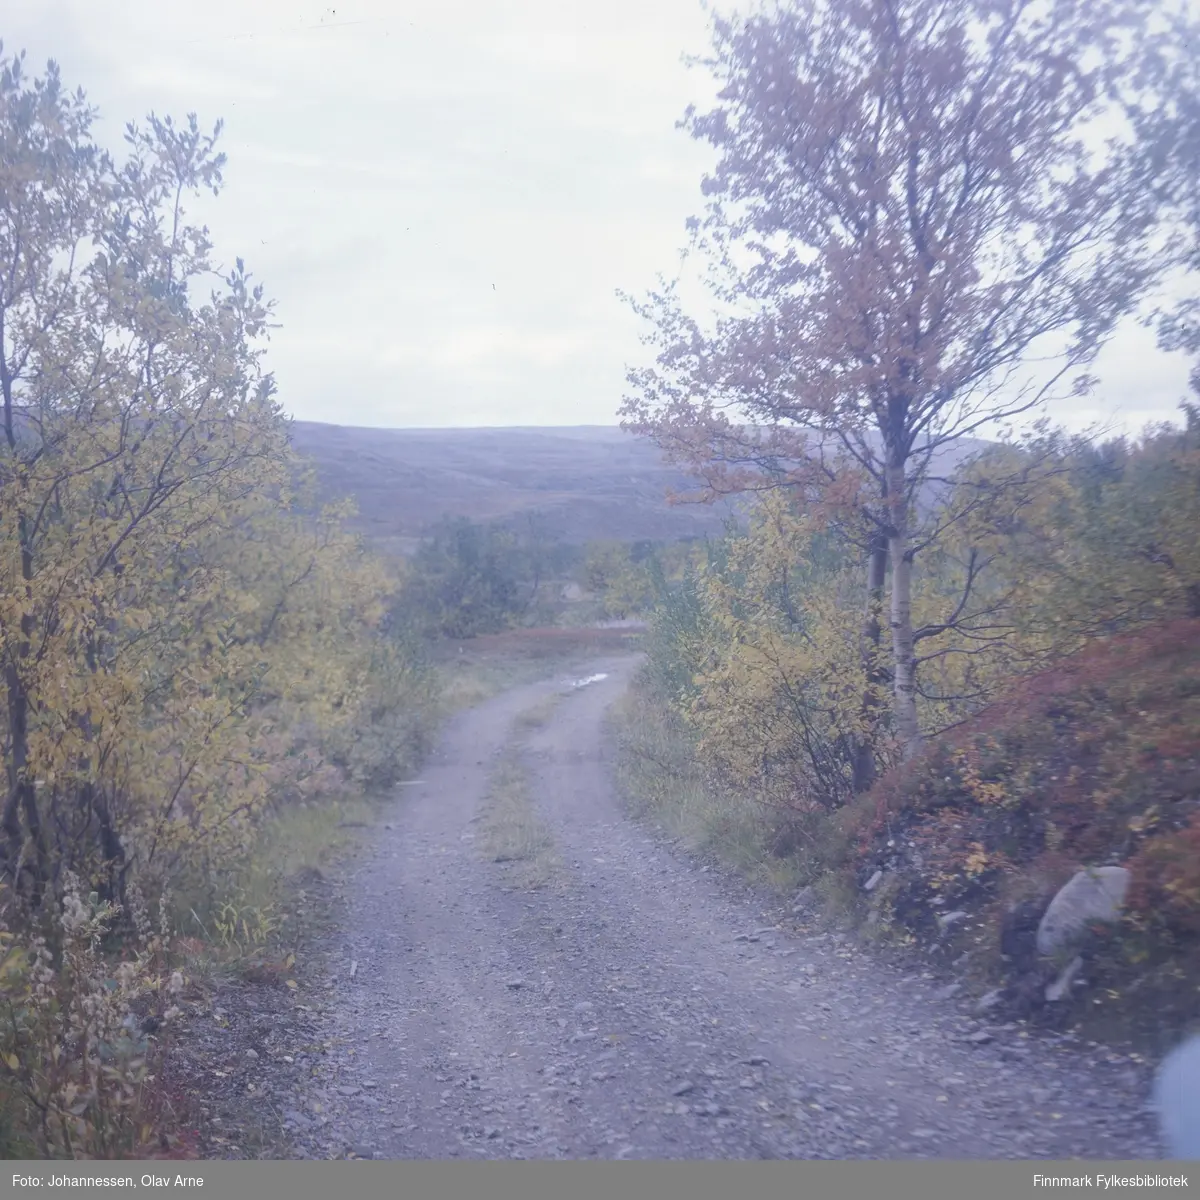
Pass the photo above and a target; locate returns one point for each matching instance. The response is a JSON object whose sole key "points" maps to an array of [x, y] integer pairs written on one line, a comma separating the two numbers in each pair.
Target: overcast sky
{"points": [[443, 196]]}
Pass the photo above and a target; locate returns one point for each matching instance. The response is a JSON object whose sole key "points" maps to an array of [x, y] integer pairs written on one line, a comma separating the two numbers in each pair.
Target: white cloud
{"points": [[473, 347], [443, 195], [198, 83]]}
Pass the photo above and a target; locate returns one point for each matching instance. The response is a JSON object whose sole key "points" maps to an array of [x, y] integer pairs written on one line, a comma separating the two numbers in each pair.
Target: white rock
{"points": [[1094, 894]]}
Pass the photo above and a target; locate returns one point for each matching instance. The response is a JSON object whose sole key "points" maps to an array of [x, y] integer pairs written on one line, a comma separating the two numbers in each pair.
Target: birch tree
{"points": [[923, 223], [1169, 124], [173, 622]]}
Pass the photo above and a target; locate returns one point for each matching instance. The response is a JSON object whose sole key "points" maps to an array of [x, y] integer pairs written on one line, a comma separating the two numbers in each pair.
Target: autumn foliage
{"points": [[1093, 761], [188, 639], [912, 236], [1063, 727], [961, 669]]}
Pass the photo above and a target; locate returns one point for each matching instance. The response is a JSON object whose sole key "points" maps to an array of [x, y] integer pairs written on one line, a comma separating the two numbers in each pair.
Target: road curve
{"points": [[637, 1006]]}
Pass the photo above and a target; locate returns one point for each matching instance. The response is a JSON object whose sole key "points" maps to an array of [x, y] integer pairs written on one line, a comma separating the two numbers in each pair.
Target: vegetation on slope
{"points": [[910, 237], [1064, 735], [467, 579], [1091, 763]]}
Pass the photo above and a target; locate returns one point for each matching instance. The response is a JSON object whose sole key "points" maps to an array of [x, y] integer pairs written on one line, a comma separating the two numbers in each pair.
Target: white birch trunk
{"points": [[872, 634], [904, 664]]}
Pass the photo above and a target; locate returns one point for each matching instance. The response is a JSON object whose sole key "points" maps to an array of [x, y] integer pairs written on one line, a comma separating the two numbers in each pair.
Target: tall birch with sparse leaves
{"points": [[924, 221]]}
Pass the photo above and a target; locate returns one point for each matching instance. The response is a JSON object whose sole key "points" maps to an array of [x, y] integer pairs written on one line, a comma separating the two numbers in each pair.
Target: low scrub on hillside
{"points": [[470, 579], [1095, 762]]}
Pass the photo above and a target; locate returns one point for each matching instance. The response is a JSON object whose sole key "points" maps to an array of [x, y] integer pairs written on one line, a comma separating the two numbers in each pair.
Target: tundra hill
{"points": [[578, 482]]}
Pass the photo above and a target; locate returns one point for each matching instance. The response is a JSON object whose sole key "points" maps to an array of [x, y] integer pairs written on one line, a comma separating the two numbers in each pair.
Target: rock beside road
{"points": [[1096, 894]]}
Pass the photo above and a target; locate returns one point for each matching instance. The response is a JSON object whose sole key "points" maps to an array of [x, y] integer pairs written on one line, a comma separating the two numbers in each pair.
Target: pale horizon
{"points": [[444, 198]]}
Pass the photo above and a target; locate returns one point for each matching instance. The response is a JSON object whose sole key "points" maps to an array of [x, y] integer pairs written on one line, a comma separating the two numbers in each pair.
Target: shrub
{"points": [[77, 1063], [1166, 879]]}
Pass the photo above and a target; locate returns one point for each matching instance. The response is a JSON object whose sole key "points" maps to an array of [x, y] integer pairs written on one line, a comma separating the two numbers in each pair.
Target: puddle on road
{"points": [[582, 683]]}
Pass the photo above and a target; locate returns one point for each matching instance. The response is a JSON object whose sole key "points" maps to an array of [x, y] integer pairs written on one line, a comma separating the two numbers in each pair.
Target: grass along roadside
{"points": [[276, 897], [661, 782], [280, 895], [1134, 982]]}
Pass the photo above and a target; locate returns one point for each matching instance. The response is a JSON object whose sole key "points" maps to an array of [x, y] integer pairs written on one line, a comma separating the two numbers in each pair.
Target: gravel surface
{"points": [[641, 1006]]}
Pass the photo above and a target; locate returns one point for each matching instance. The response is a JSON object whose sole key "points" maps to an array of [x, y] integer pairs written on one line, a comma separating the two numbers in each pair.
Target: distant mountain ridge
{"points": [[578, 482]]}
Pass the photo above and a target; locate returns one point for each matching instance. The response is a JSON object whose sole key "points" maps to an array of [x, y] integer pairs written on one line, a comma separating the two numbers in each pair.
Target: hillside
{"points": [[580, 482]]}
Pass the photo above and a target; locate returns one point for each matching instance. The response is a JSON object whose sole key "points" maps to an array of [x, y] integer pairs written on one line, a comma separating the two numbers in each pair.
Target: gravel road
{"points": [[639, 1006]]}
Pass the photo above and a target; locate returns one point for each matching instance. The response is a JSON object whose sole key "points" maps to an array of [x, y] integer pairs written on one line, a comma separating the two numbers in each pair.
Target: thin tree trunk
{"points": [[22, 796], [904, 658], [18, 753], [92, 798], [864, 770]]}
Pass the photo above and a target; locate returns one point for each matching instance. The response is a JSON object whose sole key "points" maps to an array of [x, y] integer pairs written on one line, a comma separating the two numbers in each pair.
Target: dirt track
{"points": [[636, 1006]]}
